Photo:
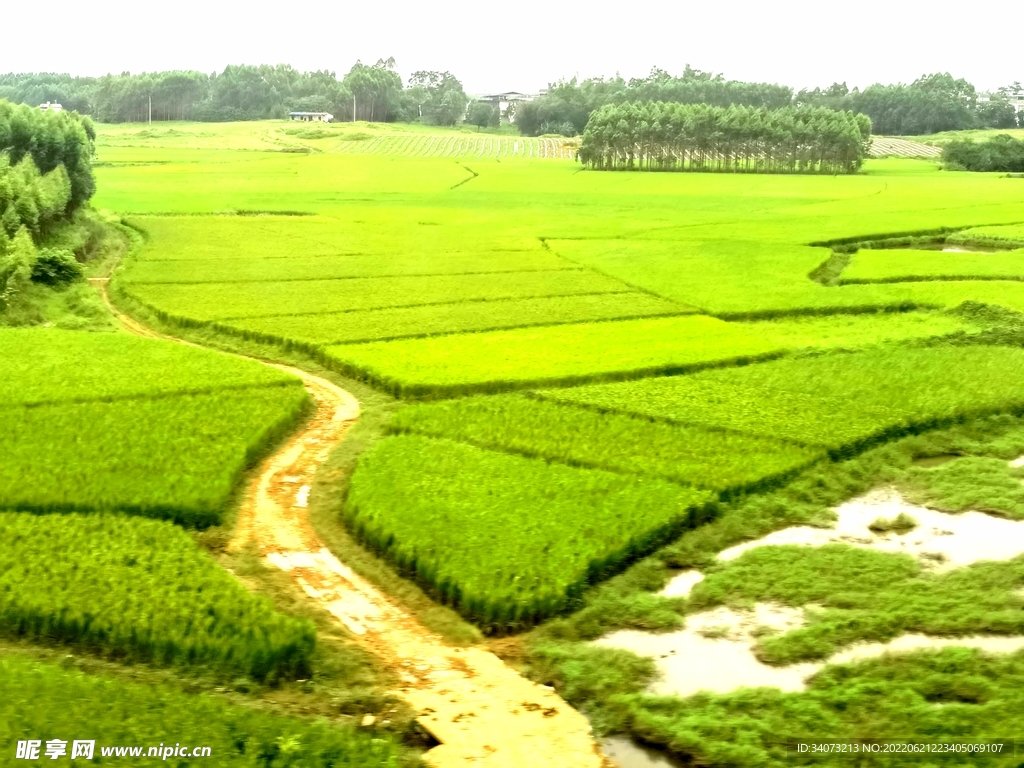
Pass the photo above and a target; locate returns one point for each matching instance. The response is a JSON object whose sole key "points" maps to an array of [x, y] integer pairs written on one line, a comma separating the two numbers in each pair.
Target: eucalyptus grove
{"points": [[658, 136]]}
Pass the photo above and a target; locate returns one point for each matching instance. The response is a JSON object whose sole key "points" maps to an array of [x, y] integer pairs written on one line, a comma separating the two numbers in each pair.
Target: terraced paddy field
{"points": [[580, 382]]}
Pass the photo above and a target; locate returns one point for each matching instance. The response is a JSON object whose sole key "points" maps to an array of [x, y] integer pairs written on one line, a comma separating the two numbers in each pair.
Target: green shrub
{"points": [[56, 267], [972, 482]]}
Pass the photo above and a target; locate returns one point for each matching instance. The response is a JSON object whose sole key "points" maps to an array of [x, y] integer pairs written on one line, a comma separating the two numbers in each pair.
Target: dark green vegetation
{"points": [[936, 102], [44, 701], [680, 137], [52, 141], [1000, 153], [46, 231], [436, 507], [971, 482], [246, 92], [139, 590], [861, 594], [932, 103]]}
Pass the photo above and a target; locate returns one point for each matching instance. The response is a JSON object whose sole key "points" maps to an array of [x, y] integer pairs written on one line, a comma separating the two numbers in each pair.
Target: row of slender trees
{"points": [[367, 92], [661, 136]]}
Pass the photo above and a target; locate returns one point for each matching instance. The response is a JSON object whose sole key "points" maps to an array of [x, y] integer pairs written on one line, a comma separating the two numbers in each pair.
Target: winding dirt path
{"points": [[484, 713]]}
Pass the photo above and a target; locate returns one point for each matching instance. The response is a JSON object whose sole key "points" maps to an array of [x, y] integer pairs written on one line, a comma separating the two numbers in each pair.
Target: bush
{"points": [[56, 267], [1000, 153]]}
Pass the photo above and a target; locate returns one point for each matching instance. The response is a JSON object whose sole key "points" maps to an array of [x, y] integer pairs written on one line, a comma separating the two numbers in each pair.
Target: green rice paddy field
{"points": [[440, 277], [586, 365]]}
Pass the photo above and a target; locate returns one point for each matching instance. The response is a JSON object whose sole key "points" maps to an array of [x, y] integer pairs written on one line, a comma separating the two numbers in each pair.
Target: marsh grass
{"points": [[869, 595]]}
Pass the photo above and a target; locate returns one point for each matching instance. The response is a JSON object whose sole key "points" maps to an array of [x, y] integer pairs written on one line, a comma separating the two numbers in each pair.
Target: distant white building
{"points": [[48, 107], [1015, 99], [311, 117], [506, 102]]}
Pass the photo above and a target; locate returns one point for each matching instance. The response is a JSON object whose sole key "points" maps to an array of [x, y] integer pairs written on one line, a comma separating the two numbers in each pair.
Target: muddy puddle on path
{"points": [[715, 649]]}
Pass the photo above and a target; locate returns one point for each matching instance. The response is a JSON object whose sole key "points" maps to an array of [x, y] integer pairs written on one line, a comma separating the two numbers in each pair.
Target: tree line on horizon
{"points": [[245, 92], [660, 136], [932, 103]]}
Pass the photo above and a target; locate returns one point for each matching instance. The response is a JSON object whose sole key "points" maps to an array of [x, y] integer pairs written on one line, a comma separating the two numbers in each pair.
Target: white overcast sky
{"points": [[496, 46]]}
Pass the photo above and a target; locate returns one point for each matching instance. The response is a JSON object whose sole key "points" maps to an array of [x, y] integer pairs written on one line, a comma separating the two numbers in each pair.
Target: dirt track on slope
{"points": [[484, 713]]}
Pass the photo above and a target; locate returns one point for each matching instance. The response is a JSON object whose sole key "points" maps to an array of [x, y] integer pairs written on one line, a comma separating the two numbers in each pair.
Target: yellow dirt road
{"points": [[483, 713]]}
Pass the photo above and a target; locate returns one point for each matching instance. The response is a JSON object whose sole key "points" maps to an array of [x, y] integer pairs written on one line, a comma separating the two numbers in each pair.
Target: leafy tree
{"points": [[55, 267], [438, 97], [50, 141], [16, 268], [572, 101], [483, 115], [936, 102], [374, 90]]}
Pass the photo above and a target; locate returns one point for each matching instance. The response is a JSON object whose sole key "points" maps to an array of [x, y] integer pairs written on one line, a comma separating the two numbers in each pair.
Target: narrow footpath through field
{"points": [[483, 713]]}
